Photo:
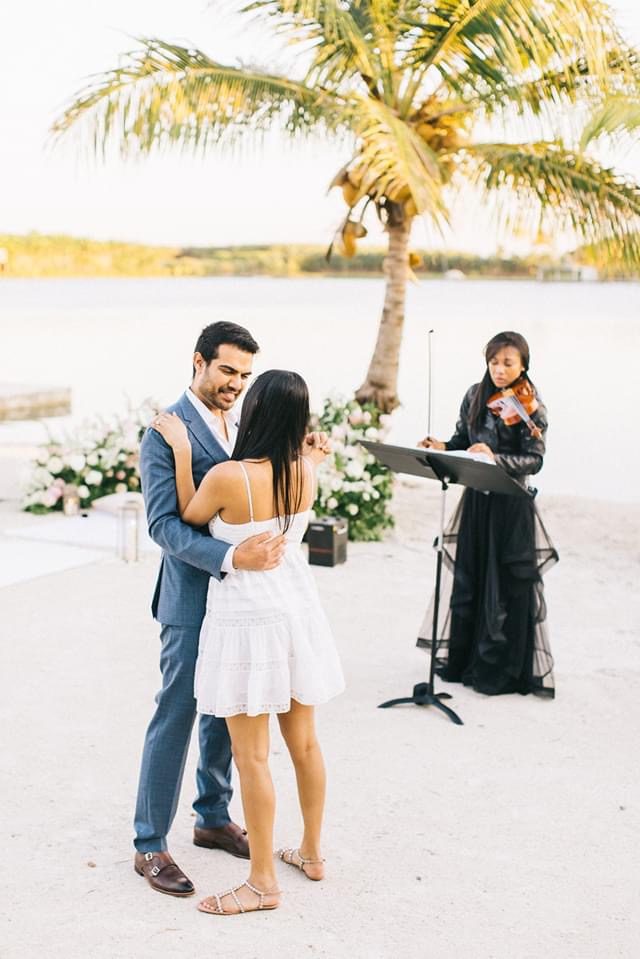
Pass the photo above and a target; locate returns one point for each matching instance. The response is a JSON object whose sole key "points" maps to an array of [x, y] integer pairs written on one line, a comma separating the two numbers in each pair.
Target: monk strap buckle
{"points": [[149, 858]]}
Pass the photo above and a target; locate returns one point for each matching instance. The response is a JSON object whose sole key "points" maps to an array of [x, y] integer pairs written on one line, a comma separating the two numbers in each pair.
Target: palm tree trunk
{"points": [[381, 384]]}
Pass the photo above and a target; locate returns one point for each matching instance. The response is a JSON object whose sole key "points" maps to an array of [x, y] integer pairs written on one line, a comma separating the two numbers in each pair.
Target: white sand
{"points": [[513, 836]]}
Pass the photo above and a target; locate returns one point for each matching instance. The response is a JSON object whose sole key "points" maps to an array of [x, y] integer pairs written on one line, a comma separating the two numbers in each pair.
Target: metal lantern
{"points": [[128, 530]]}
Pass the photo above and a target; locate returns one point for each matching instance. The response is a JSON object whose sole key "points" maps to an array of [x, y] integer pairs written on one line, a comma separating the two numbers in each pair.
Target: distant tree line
{"points": [[39, 255]]}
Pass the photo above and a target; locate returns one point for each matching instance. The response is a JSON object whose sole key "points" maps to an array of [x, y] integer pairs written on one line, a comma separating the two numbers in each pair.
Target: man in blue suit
{"points": [[222, 365]]}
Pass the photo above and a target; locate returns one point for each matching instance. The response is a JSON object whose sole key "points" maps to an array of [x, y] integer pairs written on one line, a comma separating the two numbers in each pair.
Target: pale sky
{"points": [[268, 196]]}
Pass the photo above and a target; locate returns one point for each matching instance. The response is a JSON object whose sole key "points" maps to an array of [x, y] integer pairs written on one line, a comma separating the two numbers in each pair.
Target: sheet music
{"points": [[478, 457]]}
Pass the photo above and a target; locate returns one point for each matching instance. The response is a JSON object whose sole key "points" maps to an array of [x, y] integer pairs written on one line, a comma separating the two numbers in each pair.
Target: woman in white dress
{"points": [[265, 645]]}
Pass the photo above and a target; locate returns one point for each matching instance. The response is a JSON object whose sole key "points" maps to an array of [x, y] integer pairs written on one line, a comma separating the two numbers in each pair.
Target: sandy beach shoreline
{"points": [[511, 836]]}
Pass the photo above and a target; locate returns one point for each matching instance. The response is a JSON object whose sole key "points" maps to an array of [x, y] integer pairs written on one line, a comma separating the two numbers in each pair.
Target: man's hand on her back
{"points": [[260, 552]]}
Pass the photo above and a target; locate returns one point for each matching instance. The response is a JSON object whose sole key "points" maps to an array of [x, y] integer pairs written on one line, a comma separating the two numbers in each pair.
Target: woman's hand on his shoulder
{"points": [[172, 430], [316, 445]]}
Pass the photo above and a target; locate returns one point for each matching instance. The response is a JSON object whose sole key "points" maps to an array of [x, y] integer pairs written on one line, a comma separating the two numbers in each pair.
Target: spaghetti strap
{"points": [[248, 485]]}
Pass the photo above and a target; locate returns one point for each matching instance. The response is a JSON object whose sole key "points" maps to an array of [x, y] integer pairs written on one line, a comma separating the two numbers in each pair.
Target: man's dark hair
{"points": [[214, 335]]}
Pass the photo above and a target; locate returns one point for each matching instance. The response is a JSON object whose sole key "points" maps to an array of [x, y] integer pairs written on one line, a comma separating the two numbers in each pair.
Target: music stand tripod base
{"points": [[423, 695]]}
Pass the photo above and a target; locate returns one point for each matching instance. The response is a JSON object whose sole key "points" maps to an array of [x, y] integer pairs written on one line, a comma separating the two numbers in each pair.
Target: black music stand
{"points": [[446, 468]]}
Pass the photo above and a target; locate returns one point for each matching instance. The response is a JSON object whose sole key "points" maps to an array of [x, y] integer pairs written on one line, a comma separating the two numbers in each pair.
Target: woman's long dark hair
{"points": [[273, 424], [486, 386]]}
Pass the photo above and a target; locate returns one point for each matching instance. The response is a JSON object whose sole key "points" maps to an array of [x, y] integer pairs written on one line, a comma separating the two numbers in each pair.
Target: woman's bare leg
{"points": [[250, 746], [298, 729]]}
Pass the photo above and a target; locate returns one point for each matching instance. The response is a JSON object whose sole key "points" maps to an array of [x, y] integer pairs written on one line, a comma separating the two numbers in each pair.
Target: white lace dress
{"points": [[265, 638]]}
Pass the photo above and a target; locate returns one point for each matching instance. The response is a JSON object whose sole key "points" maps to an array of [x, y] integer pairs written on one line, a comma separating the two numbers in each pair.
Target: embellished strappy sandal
{"points": [[292, 857], [213, 904]]}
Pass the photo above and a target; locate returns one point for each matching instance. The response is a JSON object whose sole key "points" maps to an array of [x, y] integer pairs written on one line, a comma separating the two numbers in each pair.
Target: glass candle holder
{"points": [[128, 531], [70, 500]]}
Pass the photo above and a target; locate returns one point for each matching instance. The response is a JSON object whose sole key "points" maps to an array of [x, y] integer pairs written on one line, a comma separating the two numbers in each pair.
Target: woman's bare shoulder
{"points": [[225, 473]]}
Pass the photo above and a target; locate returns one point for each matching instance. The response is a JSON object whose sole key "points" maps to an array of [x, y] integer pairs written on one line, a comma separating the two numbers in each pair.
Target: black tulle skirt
{"points": [[492, 631]]}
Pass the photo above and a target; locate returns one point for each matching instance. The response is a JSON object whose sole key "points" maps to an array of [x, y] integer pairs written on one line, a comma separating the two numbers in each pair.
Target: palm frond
{"points": [[482, 45], [338, 35], [543, 182], [618, 118], [166, 95], [394, 162]]}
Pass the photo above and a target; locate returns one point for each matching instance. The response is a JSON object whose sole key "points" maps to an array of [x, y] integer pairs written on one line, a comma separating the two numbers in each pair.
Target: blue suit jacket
{"points": [[189, 555]]}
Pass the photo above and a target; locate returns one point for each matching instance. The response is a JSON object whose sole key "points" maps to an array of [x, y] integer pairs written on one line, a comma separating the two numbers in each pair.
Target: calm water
{"points": [[116, 339]]}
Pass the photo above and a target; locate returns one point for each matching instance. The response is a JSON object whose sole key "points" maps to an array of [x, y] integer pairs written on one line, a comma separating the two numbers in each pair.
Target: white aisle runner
{"points": [[54, 543]]}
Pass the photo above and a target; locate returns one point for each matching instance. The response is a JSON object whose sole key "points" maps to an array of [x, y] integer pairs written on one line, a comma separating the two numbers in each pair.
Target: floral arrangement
{"points": [[351, 482], [102, 458]]}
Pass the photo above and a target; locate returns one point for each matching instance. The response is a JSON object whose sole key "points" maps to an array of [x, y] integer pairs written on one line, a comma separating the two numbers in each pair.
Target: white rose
{"points": [[332, 502], [356, 418], [338, 432], [366, 417], [43, 477], [76, 462], [366, 497], [49, 498], [375, 494], [354, 469], [93, 478], [336, 484], [352, 509], [83, 492], [55, 464], [371, 433], [121, 487], [378, 479], [92, 459]]}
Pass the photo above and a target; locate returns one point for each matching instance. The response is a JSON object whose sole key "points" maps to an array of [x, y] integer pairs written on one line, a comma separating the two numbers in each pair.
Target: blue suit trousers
{"points": [[167, 744]]}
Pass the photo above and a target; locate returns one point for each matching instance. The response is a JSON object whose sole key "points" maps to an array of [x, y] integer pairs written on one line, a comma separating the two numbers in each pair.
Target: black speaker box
{"points": [[327, 539]]}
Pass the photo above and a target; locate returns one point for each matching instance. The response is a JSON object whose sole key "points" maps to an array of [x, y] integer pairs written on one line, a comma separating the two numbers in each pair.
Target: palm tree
{"points": [[430, 98]]}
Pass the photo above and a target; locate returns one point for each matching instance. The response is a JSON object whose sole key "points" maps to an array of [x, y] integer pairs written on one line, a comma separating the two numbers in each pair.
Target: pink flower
{"points": [[51, 496]]}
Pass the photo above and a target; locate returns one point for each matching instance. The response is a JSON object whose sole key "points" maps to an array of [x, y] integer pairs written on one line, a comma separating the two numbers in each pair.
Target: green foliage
{"points": [[37, 255], [351, 482]]}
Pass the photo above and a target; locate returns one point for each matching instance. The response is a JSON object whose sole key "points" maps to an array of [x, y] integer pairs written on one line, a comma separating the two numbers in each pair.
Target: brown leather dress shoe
{"points": [[162, 874], [230, 838]]}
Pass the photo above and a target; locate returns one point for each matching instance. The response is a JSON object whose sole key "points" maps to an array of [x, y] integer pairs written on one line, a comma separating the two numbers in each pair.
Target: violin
{"points": [[515, 404]]}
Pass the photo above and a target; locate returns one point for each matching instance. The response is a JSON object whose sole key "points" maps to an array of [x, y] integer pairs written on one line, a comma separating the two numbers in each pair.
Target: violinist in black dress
{"points": [[496, 548]]}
